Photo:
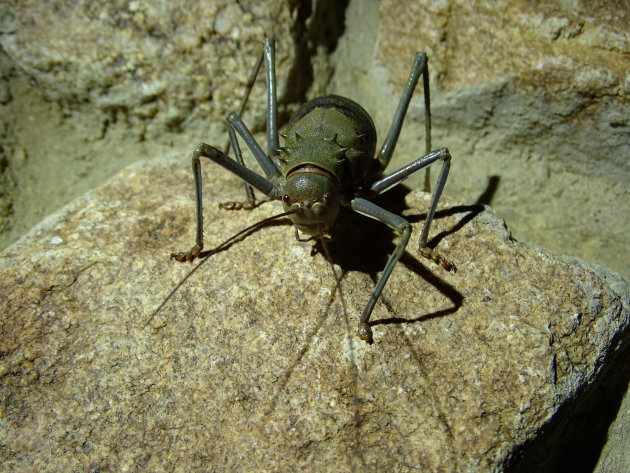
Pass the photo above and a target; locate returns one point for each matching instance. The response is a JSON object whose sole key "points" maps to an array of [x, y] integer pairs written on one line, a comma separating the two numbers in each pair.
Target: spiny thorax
{"points": [[322, 152]]}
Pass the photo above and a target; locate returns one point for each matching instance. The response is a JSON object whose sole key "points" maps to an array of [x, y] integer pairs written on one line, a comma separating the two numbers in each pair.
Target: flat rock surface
{"points": [[254, 365]]}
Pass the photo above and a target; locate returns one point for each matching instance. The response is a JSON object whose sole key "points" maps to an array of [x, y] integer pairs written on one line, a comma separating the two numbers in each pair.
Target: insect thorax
{"points": [[334, 134]]}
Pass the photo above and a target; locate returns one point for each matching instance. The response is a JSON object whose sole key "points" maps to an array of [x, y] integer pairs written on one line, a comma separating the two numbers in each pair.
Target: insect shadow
{"points": [[364, 245]]}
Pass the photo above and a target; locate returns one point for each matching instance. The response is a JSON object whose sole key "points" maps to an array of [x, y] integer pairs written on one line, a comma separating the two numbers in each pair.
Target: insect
{"points": [[328, 160]]}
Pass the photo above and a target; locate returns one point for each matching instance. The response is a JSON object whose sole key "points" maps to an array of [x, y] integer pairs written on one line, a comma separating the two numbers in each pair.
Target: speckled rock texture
{"points": [[163, 60], [254, 365], [615, 456], [87, 88], [531, 96]]}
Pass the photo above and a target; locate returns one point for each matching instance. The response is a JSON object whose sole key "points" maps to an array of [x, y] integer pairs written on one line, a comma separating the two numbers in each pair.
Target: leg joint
{"points": [[444, 155]]}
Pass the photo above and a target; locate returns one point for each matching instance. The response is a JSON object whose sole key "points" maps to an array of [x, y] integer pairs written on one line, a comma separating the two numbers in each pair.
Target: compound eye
{"points": [[286, 199], [328, 198]]}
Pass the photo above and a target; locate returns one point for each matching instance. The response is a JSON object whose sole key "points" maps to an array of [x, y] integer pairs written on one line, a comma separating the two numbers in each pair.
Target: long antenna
{"points": [[223, 246], [334, 271]]}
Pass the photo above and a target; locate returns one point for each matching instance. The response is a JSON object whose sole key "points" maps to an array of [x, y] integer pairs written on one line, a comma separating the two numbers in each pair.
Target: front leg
{"points": [[206, 151]]}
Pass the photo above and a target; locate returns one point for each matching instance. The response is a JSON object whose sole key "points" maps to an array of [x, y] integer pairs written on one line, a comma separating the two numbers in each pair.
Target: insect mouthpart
{"points": [[312, 194]]}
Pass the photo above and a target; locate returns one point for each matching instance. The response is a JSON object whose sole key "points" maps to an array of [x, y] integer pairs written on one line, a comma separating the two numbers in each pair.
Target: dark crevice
{"points": [[574, 438], [322, 26]]}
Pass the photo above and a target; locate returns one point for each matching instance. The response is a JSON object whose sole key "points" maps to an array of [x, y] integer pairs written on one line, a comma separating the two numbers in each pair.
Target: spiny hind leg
{"points": [[249, 202], [268, 55]]}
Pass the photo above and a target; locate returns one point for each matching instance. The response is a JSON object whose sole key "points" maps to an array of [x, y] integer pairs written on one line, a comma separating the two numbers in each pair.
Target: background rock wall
{"points": [[532, 99]]}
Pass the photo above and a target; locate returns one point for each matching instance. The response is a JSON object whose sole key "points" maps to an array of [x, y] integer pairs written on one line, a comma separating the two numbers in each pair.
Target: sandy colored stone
{"points": [[582, 45], [532, 98], [161, 60], [254, 366], [90, 88], [615, 455]]}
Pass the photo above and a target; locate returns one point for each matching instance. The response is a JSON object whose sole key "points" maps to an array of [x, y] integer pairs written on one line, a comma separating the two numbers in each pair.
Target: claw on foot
{"points": [[233, 205], [436, 258], [189, 256], [365, 332]]}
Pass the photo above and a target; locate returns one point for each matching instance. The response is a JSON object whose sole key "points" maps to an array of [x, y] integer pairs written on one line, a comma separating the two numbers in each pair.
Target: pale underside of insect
{"points": [[328, 160]]}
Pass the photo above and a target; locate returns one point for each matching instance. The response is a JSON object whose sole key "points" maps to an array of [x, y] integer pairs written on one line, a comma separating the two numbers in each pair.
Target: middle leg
{"points": [[383, 184]]}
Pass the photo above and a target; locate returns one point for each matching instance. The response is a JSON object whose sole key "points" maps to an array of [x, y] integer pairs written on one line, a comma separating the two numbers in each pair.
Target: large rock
{"points": [[162, 61], [88, 88], [533, 96], [254, 365]]}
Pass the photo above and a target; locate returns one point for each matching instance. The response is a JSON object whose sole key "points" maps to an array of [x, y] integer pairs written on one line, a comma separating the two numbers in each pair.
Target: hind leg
{"points": [[268, 56], [420, 68]]}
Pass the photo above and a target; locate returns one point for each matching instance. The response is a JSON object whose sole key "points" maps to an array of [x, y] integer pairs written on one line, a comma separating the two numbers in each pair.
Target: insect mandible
{"points": [[328, 160]]}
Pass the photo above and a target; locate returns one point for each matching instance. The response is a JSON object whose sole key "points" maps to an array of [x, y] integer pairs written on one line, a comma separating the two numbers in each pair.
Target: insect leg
{"points": [[420, 67], [250, 201], [400, 225], [268, 55], [249, 193], [389, 181], [272, 105], [266, 163], [206, 151]]}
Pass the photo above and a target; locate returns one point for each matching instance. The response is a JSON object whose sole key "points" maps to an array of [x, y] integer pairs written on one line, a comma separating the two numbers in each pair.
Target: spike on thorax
{"points": [[332, 139]]}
